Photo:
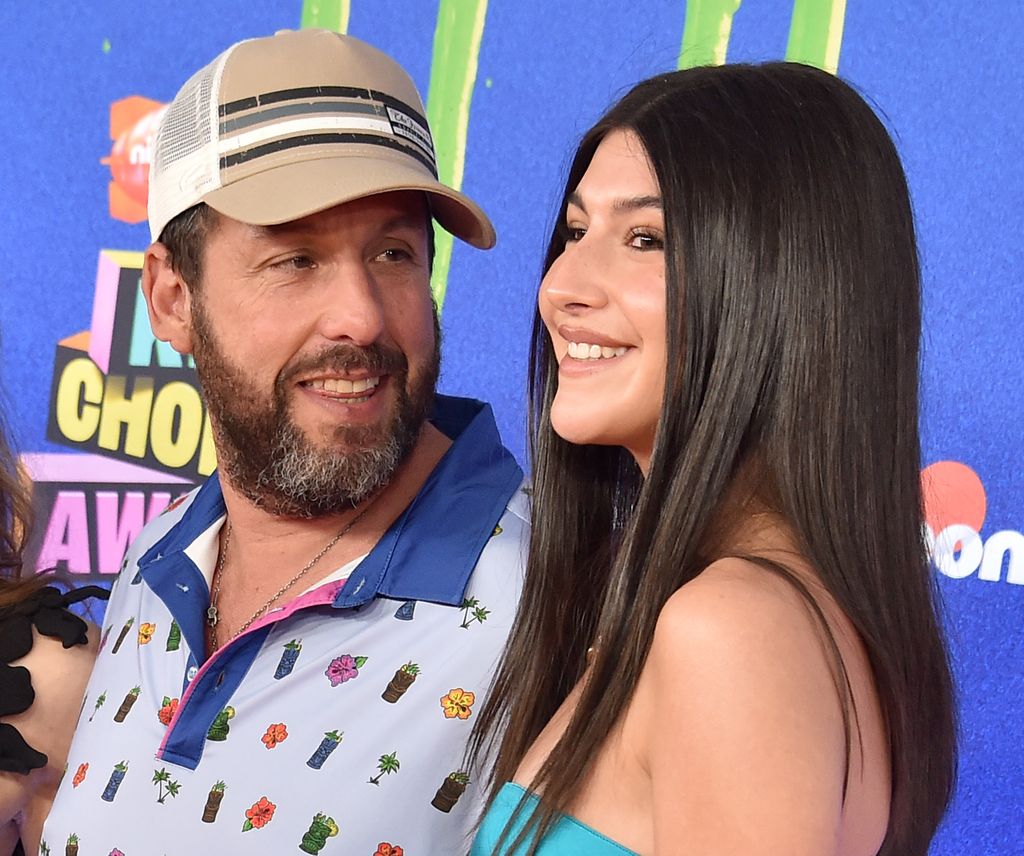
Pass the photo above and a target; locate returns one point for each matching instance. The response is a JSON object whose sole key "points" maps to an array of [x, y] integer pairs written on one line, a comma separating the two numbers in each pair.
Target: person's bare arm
{"points": [[59, 677], [745, 750]]}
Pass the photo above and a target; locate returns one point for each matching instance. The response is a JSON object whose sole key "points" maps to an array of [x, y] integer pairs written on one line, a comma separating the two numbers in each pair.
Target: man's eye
{"points": [[298, 262], [394, 254]]}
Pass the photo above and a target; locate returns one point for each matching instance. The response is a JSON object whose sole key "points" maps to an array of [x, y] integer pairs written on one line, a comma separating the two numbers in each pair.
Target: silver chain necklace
{"points": [[213, 615]]}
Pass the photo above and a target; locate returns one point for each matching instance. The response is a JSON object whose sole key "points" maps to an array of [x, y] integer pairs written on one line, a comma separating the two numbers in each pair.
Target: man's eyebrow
{"points": [[629, 203], [298, 229]]}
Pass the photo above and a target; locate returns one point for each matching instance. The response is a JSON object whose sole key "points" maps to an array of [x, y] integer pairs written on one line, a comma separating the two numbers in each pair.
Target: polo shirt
{"points": [[336, 724]]}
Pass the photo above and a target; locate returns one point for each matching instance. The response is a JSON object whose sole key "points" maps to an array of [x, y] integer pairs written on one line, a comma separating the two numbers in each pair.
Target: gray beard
{"points": [[267, 458]]}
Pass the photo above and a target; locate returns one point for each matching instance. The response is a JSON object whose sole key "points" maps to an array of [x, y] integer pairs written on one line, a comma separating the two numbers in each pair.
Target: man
{"points": [[294, 654]]}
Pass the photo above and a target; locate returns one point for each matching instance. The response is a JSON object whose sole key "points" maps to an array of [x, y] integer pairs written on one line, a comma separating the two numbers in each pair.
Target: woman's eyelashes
{"points": [[646, 240], [639, 238]]}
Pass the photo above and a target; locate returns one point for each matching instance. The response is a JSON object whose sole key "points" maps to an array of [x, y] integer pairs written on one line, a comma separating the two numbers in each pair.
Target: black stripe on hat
{"points": [[247, 155], [307, 92]]}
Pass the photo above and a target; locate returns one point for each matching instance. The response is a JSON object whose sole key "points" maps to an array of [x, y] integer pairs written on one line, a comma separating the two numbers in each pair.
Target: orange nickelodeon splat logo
{"points": [[133, 124], [955, 508]]}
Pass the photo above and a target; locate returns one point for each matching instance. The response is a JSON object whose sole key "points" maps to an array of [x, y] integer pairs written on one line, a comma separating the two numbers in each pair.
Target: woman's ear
{"points": [[168, 299]]}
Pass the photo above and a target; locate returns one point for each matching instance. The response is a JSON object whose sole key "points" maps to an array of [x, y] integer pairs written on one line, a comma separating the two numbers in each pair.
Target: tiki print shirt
{"points": [[334, 725]]}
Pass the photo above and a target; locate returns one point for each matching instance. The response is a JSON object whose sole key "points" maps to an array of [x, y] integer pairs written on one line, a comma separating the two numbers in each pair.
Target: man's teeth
{"points": [[344, 386], [583, 351]]}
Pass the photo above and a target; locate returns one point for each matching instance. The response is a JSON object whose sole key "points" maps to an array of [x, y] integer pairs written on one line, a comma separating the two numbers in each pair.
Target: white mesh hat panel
{"points": [[185, 163]]}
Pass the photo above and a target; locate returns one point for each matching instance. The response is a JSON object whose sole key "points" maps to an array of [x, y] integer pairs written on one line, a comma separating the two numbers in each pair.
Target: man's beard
{"points": [[265, 456]]}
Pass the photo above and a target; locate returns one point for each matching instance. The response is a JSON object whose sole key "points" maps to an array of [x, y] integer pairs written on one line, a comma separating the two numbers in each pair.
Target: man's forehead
{"points": [[393, 210]]}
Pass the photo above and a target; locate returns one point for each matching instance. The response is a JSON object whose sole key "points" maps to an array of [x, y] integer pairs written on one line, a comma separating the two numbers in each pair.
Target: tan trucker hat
{"points": [[278, 128]]}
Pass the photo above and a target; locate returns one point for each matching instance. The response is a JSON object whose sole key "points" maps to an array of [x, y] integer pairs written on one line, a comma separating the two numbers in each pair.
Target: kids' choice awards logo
{"points": [[133, 125], [127, 403], [955, 509]]}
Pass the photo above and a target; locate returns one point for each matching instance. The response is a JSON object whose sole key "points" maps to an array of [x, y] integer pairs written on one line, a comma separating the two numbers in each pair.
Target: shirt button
{"points": [[192, 672]]}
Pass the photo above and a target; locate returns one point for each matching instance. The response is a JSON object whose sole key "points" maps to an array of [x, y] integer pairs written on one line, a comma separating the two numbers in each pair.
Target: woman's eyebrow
{"points": [[629, 203]]}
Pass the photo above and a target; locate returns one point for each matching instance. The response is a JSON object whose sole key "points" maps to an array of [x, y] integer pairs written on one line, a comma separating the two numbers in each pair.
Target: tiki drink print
{"points": [[71, 848], [288, 659], [174, 637], [130, 698], [104, 638], [122, 635], [400, 682], [219, 728], [453, 787], [406, 611], [213, 800], [331, 741], [322, 828], [116, 777]]}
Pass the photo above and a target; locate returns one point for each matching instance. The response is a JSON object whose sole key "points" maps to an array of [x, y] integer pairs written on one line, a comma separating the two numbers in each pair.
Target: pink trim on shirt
{"points": [[319, 596]]}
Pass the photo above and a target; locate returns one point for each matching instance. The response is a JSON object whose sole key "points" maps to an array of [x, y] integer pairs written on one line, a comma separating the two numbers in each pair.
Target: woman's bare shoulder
{"points": [[743, 727]]}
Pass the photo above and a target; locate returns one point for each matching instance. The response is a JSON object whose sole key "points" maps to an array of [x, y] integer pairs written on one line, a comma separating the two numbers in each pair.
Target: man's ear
{"points": [[168, 299]]}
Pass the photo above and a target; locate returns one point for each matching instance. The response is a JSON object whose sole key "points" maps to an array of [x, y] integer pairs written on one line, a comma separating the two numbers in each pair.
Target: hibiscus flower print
{"points": [[166, 712], [344, 668], [79, 775], [259, 814], [385, 849], [276, 733], [146, 632], [457, 703]]}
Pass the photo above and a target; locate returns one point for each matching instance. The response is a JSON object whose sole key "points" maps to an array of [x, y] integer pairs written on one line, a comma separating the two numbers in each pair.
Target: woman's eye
{"points": [[646, 241], [572, 234]]}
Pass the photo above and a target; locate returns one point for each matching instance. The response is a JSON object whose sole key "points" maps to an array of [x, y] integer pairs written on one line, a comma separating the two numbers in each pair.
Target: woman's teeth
{"points": [[344, 386], [583, 351]]}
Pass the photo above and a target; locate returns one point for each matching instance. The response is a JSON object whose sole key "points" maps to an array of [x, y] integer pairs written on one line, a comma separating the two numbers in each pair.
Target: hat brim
{"points": [[295, 190]]}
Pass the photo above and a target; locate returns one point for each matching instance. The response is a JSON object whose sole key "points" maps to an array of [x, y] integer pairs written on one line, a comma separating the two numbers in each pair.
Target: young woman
{"points": [[46, 654], [728, 642]]}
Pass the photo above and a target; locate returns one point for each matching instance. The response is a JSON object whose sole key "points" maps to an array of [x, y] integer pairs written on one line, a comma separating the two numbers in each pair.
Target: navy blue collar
{"points": [[430, 551]]}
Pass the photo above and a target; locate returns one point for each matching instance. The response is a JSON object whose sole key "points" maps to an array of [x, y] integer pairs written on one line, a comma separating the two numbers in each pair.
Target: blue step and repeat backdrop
{"points": [[111, 427]]}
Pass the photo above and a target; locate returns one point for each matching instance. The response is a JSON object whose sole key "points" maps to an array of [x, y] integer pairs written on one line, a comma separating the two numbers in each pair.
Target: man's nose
{"points": [[352, 310]]}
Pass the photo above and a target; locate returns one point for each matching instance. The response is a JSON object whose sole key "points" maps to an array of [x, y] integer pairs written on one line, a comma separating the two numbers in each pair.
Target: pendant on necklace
{"points": [[211, 615]]}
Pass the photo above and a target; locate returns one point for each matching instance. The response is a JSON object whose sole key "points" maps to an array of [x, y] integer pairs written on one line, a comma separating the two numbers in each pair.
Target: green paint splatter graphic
{"points": [[460, 27], [816, 33], [106, 46], [706, 32], [326, 14]]}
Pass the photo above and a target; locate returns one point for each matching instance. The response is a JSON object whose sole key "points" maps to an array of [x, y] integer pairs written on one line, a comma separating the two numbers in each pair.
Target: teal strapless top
{"points": [[567, 837]]}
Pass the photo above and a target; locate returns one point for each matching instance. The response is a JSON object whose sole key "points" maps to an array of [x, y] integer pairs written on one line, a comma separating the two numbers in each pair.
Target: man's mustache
{"points": [[377, 359]]}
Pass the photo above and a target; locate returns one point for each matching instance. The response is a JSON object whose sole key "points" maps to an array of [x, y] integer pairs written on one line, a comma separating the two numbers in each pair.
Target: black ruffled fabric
{"points": [[47, 609]]}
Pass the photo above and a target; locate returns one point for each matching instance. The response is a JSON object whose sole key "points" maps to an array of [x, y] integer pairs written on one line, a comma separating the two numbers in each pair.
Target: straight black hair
{"points": [[792, 384]]}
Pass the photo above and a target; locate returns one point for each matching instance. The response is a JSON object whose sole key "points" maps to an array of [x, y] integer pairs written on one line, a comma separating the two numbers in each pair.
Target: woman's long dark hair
{"points": [[15, 525], [793, 350]]}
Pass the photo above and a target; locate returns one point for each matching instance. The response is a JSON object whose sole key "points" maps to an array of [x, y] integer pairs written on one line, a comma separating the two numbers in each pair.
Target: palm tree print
{"points": [[162, 778], [472, 611], [387, 765]]}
